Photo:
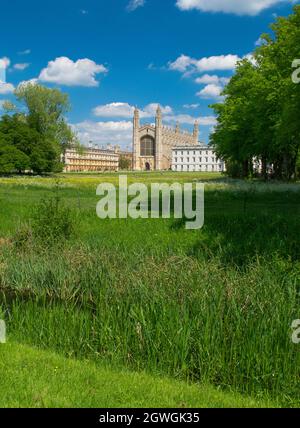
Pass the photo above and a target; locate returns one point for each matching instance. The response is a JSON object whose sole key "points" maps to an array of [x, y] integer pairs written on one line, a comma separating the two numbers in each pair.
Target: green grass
{"points": [[213, 306], [34, 378]]}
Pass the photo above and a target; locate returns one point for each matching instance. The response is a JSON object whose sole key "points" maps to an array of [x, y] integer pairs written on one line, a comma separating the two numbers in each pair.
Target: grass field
{"points": [[34, 378], [213, 306]]}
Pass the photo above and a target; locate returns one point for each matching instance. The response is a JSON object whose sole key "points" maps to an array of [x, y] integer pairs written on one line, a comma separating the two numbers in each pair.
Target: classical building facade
{"points": [[196, 158], [153, 144], [91, 159]]}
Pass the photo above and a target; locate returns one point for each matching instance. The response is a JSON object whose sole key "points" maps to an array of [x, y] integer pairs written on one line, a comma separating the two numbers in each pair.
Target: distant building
{"points": [[196, 158], [153, 144], [91, 159]]}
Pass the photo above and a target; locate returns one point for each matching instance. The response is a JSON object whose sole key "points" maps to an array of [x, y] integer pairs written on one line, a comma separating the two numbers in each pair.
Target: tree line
{"points": [[34, 134], [259, 119]]}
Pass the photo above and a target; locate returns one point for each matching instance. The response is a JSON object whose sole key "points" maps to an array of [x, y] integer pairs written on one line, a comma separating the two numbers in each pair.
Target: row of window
{"points": [[198, 168], [213, 160], [191, 152]]}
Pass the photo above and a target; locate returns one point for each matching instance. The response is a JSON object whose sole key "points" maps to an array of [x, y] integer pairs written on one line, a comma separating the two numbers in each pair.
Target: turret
{"points": [[158, 138], [177, 128], [135, 143], [196, 132]]}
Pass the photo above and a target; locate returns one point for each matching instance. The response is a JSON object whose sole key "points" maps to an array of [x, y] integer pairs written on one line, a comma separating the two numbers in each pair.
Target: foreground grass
{"points": [[214, 305], [34, 378]]}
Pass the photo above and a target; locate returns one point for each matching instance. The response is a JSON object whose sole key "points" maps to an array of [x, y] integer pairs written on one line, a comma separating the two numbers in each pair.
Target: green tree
{"points": [[124, 163], [259, 117]]}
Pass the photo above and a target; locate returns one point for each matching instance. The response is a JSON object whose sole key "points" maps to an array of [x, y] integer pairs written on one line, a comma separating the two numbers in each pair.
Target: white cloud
{"points": [[66, 72], [207, 79], [26, 52], [21, 66], [114, 110], [186, 119], [125, 110], [104, 132], [186, 64], [210, 91], [150, 110], [135, 4], [238, 7], [191, 106], [6, 88], [4, 62]]}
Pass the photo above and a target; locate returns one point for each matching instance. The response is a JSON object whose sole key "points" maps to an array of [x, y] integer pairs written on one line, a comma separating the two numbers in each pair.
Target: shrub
{"points": [[53, 222]]}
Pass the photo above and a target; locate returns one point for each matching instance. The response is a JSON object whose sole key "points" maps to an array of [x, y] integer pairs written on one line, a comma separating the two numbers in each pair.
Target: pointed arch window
{"points": [[147, 146]]}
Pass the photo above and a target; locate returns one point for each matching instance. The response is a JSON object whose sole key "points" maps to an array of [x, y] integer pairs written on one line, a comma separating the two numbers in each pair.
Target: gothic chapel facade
{"points": [[153, 144]]}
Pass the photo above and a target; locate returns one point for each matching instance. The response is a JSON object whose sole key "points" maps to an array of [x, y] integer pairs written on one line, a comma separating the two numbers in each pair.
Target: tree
{"points": [[260, 114], [41, 131], [124, 163], [12, 159]]}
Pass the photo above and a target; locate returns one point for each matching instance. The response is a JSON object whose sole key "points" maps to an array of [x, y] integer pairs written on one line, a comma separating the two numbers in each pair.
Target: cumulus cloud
{"points": [[4, 62], [114, 110], [186, 119], [210, 91], [66, 72], [238, 7], [6, 88], [207, 79], [125, 110], [186, 64], [191, 106], [135, 4], [25, 52], [104, 132], [21, 66]]}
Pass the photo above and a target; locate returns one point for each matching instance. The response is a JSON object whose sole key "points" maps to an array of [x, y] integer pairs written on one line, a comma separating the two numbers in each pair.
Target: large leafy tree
{"points": [[40, 131], [260, 114]]}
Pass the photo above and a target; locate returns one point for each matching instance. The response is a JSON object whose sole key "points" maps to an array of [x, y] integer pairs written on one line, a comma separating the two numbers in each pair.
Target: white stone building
{"points": [[200, 158]]}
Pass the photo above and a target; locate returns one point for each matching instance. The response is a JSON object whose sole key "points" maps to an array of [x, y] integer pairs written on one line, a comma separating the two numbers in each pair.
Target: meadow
{"points": [[211, 306]]}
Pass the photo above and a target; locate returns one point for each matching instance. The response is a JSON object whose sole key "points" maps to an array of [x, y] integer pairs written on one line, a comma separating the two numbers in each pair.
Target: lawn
{"points": [[35, 378], [212, 306]]}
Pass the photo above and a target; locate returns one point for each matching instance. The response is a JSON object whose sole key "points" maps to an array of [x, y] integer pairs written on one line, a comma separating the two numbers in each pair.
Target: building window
{"points": [[147, 146]]}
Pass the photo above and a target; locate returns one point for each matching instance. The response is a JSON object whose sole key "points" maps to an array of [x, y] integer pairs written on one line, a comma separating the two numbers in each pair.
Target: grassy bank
{"points": [[34, 378], [212, 306]]}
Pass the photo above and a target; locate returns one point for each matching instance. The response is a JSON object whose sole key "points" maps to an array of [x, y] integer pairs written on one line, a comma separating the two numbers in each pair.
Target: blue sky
{"points": [[110, 55]]}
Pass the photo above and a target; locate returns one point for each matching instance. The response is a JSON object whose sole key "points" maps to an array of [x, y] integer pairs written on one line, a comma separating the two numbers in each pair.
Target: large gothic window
{"points": [[147, 146]]}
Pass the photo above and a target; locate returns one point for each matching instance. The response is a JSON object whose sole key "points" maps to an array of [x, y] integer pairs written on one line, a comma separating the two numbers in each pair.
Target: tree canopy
{"points": [[34, 136], [259, 118]]}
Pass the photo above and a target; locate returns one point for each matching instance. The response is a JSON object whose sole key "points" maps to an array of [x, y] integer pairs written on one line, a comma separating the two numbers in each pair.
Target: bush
{"points": [[53, 222]]}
